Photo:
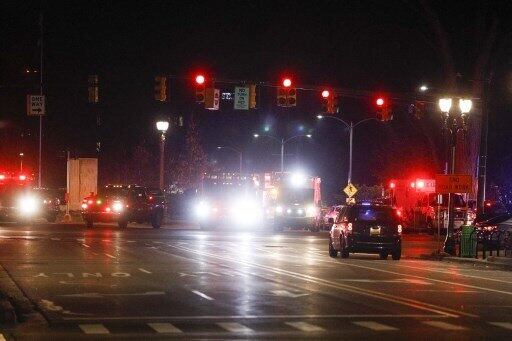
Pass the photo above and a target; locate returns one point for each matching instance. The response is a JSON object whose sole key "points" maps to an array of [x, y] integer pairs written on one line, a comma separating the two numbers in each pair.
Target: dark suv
{"points": [[124, 204], [367, 229]]}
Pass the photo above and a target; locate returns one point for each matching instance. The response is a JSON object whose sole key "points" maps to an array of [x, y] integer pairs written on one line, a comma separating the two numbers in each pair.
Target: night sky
{"points": [[370, 47]]}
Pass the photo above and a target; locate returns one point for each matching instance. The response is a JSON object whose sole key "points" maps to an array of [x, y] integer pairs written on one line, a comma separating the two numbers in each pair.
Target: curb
{"points": [[505, 263], [14, 305]]}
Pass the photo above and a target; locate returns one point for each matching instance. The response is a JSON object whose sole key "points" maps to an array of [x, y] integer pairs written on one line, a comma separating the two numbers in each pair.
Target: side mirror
{"points": [[331, 221]]}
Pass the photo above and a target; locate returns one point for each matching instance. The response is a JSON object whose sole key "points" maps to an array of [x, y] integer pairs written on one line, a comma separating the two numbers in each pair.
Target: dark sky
{"points": [[370, 46]]}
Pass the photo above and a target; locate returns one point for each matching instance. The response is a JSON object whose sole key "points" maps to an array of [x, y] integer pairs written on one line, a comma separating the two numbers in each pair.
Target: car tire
{"points": [[332, 251], [397, 254], [383, 255], [122, 224], [157, 219], [344, 252], [89, 223]]}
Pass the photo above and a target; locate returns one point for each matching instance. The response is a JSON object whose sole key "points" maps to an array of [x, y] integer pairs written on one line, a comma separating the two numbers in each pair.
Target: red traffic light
{"points": [[287, 82], [326, 94], [200, 79], [380, 101], [392, 185]]}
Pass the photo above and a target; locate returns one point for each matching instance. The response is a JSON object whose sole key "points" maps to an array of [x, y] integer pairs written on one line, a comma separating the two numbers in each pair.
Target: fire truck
{"points": [[20, 202], [293, 200], [422, 207]]}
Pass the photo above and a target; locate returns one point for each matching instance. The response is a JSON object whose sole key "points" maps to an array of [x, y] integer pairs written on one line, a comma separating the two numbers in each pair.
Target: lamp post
{"points": [[283, 141], [350, 127], [236, 151], [453, 123], [162, 127]]}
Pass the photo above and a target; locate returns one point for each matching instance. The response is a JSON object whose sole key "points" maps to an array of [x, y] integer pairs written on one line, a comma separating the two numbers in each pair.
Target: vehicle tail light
{"points": [[399, 229], [84, 206], [107, 209], [347, 227], [90, 202]]}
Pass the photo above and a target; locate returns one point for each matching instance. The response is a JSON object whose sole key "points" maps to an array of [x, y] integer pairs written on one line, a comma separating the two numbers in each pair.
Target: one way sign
{"points": [[35, 105]]}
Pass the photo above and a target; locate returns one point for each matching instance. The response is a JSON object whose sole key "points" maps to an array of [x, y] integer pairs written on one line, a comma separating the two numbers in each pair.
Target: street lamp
{"points": [[236, 150], [351, 127], [283, 141], [453, 124], [162, 126]]}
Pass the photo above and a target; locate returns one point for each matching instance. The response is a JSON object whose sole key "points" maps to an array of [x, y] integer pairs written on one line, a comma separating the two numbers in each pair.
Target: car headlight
{"points": [[311, 211], [279, 209], [202, 209], [28, 205], [117, 206]]}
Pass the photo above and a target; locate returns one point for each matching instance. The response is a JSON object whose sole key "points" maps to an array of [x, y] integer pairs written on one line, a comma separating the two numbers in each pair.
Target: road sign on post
{"points": [[241, 98], [350, 190], [454, 183], [35, 105]]}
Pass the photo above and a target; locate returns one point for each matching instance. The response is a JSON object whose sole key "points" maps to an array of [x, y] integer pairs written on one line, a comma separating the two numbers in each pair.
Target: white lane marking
{"points": [[80, 239], [106, 254], [506, 325], [234, 327], [55, 238], [202, 295], [444, 325], [374, 325], [130, 241], [86, 245], [2, 338], [164, 328], [443, 291], [251, 317], [94, 329], [345, 287], [305, 327], [145, 271]]}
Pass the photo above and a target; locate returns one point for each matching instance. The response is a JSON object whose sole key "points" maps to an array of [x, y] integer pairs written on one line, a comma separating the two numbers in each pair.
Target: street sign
{"points": [[351, 201], [454, 183], [212, 99], [350, 190], [241, 98], [35, 105]]}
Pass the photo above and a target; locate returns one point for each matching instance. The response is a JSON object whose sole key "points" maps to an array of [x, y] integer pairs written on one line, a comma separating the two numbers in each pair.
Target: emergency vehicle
{"points": [[20, 202], [422, 207]]}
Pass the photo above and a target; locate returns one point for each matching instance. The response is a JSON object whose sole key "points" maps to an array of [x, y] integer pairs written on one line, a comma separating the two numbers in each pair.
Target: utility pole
{"points": [[482, 159], [39, 180]]}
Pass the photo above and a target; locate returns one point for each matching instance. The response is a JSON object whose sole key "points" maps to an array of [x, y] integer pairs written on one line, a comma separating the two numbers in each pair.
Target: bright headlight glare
{"points": [[202, 209], [311, 210], [28, 205], [117, 206], [279, 209]]}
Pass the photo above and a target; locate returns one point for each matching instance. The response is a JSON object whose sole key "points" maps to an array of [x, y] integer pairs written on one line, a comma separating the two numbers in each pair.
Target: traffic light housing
{"points": [[330, 102], [383, 109], [161, 88], [252, 96], [93, 88], [200, 81], [286, 96]]}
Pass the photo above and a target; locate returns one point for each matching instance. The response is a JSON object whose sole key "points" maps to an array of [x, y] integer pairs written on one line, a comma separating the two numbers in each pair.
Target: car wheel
{"points": [[383, 255], [122, 224], [156, 219], [397, 254], [332, 251], [89, 223], [343, 252]]}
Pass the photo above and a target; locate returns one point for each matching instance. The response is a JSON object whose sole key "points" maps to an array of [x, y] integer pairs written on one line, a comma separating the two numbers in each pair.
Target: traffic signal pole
{"points": [[39, 177], [351, 139]]}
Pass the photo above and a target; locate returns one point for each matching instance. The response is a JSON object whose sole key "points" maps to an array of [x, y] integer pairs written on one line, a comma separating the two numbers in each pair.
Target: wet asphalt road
{"points": [[185, 283]]}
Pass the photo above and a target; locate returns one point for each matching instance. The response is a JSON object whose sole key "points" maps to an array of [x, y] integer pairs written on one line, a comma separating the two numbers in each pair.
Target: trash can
{"points": [[468, 240]]}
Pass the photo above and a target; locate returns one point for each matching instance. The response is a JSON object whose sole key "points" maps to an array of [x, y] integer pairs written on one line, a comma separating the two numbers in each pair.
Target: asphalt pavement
{"points": [[180, 282]]}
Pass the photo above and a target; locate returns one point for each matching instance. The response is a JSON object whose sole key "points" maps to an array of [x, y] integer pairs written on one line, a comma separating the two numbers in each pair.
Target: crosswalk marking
{"points": [[506, 325], [374, 325], [108, 255], [94, 329], [144, 270], [305, 327], [234, 327], [164, 328], [444, 325]]}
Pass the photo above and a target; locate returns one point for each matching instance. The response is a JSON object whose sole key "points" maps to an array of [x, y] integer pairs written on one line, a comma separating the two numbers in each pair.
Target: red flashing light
{"points": [[22, 177], [392, 185], [200, 79], [413, 185], [2, 177], [380, 101], [488, 204], [287, 82], [420, 184], [326, 93]]}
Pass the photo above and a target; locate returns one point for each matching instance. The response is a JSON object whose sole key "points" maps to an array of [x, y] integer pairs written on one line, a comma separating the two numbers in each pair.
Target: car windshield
{"points": [[296, 195], [374, 214]]}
